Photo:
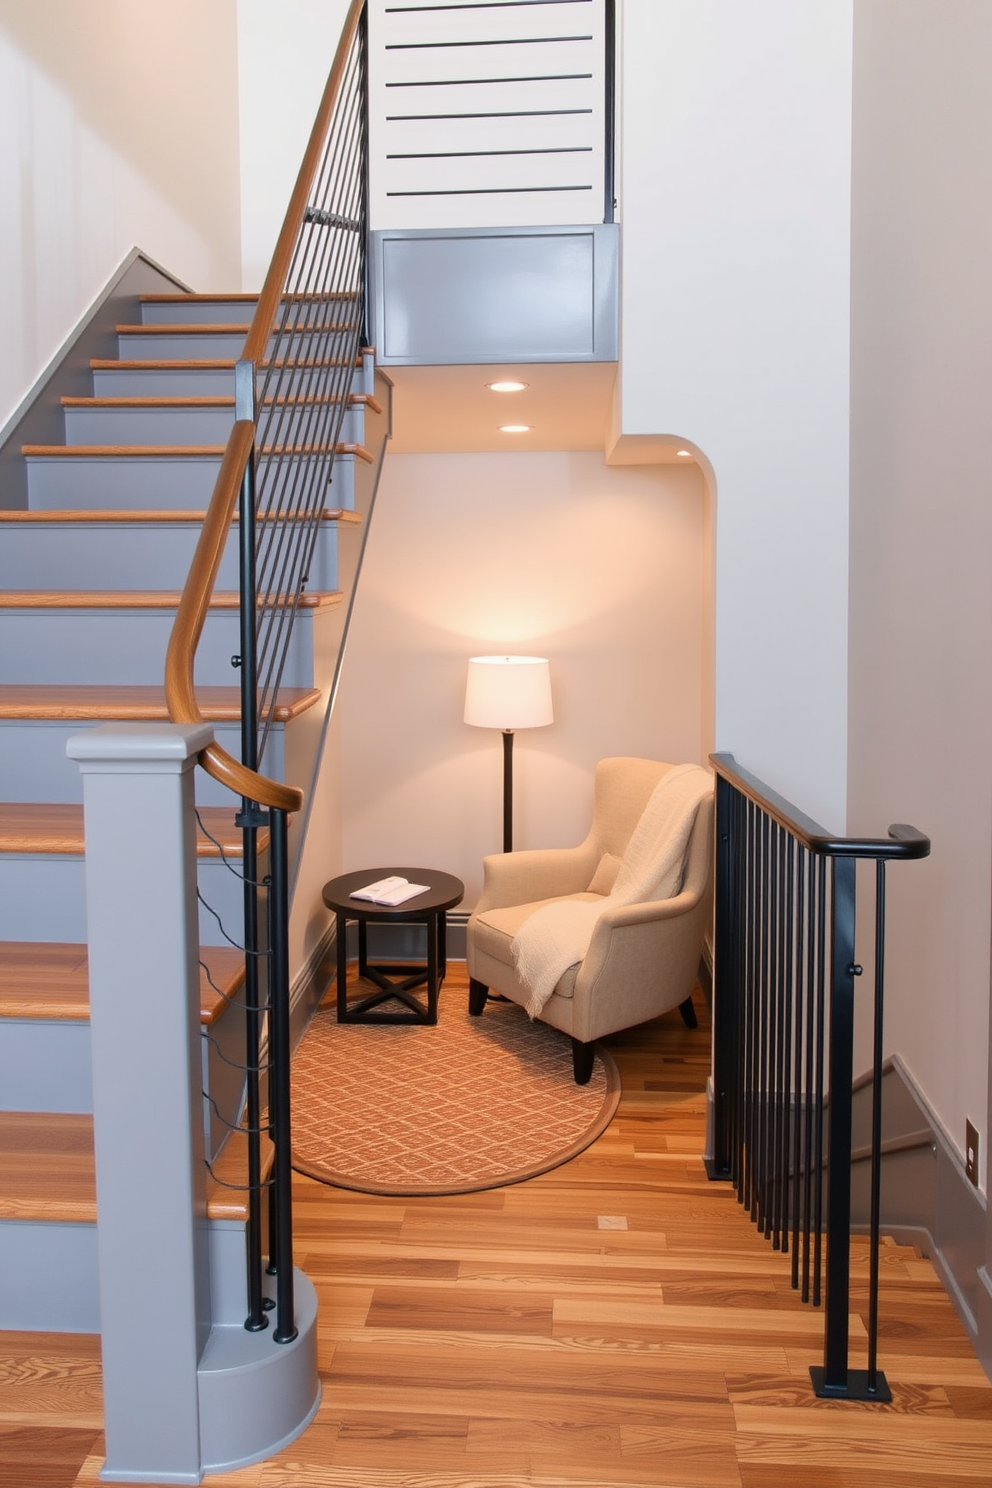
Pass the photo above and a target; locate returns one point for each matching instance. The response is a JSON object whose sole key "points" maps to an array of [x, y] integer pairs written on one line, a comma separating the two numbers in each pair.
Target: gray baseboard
{"points": [[927, 1200]]}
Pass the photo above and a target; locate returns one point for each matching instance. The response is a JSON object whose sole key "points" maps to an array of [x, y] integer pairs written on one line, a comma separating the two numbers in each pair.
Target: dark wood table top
{"points": [[444, 892]]}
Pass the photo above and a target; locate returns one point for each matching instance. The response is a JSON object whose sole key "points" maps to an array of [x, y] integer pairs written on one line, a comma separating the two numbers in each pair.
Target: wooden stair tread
{"points": [[50, 981], [177, 451], [213, 328], [218, 400], [48, 1171], [238, 297], [95, 703], [46, 827], [153, 516], [190, 297], [212, 364], [139, 599]]}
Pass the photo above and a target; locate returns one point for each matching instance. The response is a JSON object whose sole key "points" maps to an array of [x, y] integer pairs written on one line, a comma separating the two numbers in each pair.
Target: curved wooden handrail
{"points": [[268, 301], [180, 692]]}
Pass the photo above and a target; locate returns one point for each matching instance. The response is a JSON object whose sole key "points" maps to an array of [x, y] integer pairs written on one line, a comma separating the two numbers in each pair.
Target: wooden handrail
{"points": [[180, 691], [268, 301]]}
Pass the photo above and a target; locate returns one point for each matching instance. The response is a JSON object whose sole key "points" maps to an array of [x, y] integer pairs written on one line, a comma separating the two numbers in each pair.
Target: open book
{"points": [[390, 891]]}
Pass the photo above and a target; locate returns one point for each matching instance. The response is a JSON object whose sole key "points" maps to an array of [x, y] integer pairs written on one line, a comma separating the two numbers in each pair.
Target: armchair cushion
{"points": [[495, 930], [605, 876]]}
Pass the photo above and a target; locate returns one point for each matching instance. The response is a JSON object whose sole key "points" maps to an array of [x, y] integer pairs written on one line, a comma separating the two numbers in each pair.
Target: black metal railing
{"points": [[293, 389], [785, 971]]}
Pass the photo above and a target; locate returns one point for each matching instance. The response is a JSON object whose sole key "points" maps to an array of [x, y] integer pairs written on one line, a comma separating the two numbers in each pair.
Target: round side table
{"points": [[444, 891]]}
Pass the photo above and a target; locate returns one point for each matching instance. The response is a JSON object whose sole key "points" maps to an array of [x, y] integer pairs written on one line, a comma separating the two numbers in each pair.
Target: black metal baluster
{"points": [[799, 1159], [279, 1100], [832, 1380], [876, 1385]]}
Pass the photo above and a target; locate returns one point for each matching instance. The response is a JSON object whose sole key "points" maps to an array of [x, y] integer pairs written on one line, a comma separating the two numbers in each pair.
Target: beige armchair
{"points": [[642, 959]]}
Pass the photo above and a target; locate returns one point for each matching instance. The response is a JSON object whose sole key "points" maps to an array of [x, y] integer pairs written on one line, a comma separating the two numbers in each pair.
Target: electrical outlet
{"points": [[971, 1153]]}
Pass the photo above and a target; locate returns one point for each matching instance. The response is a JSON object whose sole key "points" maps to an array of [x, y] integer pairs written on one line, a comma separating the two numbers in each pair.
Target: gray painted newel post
{"points": [[147, 1084]]}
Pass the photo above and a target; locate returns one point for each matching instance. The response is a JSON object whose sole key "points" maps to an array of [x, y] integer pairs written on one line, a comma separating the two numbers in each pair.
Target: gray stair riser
{"points": [[198, 382], [57, 1291], [206, 311], [129, 647], [223, 1050], [222, 311], [196, 426], [55, 1265], [124, 483], [145, 555], [34, 766], [45, 1065], [189, 346], [42, 897]]}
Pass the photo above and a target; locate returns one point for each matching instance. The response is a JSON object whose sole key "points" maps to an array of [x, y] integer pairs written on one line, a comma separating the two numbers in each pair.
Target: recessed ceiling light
{"points": [[684, 454], [515, 428], [506, 387]]}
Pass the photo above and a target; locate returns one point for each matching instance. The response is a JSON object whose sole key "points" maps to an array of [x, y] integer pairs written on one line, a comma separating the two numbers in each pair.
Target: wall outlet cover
{"points": [[971, 1153]]}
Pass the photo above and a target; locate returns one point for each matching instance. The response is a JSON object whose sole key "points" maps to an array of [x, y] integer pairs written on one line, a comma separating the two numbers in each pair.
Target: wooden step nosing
{"points": [[148, 599], [36, 829], [40, 987], [77, 702], [154, 516], [194, 402], [178, 451]]}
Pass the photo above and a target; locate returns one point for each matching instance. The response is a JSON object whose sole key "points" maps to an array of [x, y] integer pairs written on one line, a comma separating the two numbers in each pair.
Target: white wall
{"points": [[921, 520], [118, 128], [734, 193], [285, 52], [556, 555]]}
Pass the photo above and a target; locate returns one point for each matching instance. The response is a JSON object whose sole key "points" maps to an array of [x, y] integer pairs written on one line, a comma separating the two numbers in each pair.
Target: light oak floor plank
{"points": [[506, 1340]]}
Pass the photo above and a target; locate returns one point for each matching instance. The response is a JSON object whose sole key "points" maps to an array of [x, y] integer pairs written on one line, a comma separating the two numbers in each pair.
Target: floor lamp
{"points": [[508, 693]]}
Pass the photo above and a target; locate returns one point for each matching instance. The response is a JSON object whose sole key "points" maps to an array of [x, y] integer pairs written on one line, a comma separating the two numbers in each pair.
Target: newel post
{"points": [[147, 1084]]}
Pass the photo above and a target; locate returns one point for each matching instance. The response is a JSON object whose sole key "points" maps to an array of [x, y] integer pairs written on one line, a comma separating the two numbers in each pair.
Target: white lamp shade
{"points": [[508, 692]]}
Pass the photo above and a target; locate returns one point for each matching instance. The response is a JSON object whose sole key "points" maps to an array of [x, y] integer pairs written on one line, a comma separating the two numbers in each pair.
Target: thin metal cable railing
{"points": [[783, 1044], [293, 391]]}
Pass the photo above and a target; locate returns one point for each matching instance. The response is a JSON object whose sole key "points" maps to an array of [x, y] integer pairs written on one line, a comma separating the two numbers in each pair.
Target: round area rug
{"points": [[470, 1103]]}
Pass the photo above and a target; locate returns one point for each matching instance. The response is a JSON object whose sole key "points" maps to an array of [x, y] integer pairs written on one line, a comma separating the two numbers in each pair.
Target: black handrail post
{"points": [[832, 1380], [244, 408], [279, 1097], [726, 988], [835, 1379]]}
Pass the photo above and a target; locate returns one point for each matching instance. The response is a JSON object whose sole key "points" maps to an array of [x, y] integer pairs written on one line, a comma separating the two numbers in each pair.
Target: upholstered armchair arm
{"points": [[641, 962], [541, 873]]}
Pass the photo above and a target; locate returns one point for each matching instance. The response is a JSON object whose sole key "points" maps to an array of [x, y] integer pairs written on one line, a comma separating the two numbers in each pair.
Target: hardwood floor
{"points": [[616, 1321]]}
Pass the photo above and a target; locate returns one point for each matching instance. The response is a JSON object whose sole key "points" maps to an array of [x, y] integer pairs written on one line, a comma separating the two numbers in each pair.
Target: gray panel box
{"points": [[471, 296]]}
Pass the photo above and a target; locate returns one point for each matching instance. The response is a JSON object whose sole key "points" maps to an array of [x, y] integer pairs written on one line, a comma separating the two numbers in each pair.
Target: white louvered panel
{"points": [[492, 173], [489, 116], [552, 132], [495, 99], [414, 25], [408, 71]]}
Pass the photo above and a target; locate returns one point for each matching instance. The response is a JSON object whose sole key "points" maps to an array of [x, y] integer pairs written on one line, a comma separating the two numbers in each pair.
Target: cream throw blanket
{"points": [[557, 936]]}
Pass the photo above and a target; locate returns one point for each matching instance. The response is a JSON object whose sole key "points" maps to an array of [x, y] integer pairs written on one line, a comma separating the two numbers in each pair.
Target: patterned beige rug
{"points": [[469, 1104]]}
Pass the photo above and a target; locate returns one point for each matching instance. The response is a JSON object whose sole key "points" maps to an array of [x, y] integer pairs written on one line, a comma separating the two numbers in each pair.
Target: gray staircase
{"points": [[90, 574]]}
